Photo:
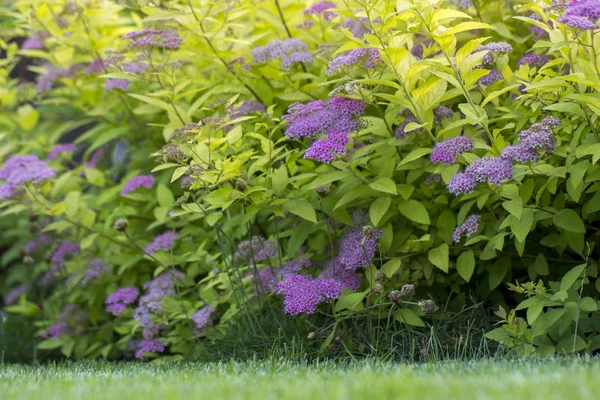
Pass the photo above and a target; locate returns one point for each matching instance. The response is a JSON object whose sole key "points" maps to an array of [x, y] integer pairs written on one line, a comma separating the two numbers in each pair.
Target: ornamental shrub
{"points": [[173, 169]]}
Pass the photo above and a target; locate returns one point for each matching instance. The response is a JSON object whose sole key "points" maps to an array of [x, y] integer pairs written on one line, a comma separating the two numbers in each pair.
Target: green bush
{"points": [[387, 169]]}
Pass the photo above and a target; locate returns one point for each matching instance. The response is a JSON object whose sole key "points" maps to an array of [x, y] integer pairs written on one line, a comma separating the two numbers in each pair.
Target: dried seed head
{"points": [[408, 290], [322, 190], [378, 276], [395, 296], [121, 225], [180, 200], [312, 336], [27, 260], [368, 231], [362, 348], [377, 289], [427, 306]]}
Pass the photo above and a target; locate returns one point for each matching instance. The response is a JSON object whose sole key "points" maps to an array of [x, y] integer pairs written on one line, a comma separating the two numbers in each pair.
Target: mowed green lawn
{"points": [[369, 380]]}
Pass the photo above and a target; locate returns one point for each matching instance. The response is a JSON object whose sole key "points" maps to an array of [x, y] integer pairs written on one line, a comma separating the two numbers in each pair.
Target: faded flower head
{"points": [[96, 268], [257, 249]]}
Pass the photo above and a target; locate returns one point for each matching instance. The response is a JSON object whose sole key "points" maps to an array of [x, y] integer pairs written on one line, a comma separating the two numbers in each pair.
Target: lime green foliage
{"points": [[168, 107], [280, 379]]}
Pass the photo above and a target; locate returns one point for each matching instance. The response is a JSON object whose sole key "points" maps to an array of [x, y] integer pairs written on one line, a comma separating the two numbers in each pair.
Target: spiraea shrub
{"points": [[362, 171]]}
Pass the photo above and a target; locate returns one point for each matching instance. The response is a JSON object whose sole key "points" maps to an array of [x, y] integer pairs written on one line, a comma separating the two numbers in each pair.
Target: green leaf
{"points": [[213, 218], [164, 196], [378, 209], [94, 176], [299, 235], [415, 211], [465, 265], [350, 301], [72, 202], [301, 208], [570, 277], [408, 316], [588, 304], [385, 185], [498, 272], [514, 206], [569, 220], [391, 267], [534, 310], [353, 194], [414, 155], [440, 257]]}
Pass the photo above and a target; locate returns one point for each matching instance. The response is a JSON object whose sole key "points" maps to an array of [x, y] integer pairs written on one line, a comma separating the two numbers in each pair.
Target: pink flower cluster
{"points": [[256, 249]]}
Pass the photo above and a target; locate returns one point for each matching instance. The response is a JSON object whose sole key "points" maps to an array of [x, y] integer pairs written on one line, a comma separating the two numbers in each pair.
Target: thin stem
{"points": [[329, 235], [580, 296]]}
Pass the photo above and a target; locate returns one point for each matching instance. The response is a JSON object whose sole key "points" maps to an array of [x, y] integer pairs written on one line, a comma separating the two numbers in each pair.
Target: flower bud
{"points": [[427, 306], [121, 225], [378, 276], [395, 296], [28, 260], [174, 217], [180, 200], [408, 290], [322, 190]]}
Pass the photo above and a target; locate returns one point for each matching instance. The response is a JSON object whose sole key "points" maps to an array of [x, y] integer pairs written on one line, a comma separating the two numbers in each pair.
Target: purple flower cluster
{"points": [[462, 4], [493, 76], [202, 318], [439, 114], [117, 302], [113, 84], [357, 250], [288, 51], [95, 67], [247, 107], [19, 170], [146, 181], [334, 118], [57, 330], [345, 277], [149, 346], [34, 244], [266, 280], [95, 269], [35, 41], [64, 249], [164, 242], [493, 49], [581, 14], [322, 8], [149, 38], [47, 79], [135, 67], [368, 58], [447, 151], [61, 148], [493, 170], [538, 136], [95, 158], [256, 249], [534, 60], [151, 302], [302, 293], [538, 32], [359, 27], [15, 293], [467, 228]]}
